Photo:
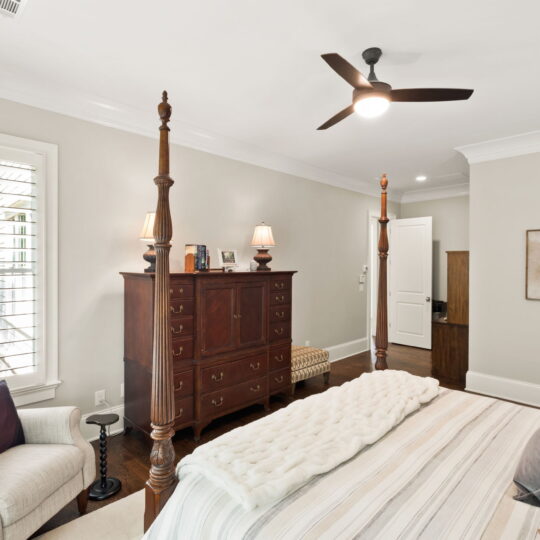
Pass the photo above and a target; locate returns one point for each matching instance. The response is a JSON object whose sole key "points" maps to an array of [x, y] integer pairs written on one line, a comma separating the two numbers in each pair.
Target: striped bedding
{"points": [[444, 473]]}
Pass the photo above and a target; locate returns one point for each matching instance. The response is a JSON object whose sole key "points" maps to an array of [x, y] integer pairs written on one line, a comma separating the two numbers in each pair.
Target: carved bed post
{"points": [[162, 480], [381, 336]]}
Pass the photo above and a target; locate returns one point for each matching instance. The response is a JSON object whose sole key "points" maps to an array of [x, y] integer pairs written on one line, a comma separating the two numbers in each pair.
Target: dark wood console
{"points": [[231, 343]]}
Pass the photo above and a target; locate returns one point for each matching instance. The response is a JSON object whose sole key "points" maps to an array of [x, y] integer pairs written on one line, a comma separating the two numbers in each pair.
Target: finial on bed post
{"points": [[381, 336], [162, 480]]}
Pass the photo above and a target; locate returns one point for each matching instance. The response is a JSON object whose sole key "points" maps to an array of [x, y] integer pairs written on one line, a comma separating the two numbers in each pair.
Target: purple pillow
{"points": [[11, 431], [527, 476]]}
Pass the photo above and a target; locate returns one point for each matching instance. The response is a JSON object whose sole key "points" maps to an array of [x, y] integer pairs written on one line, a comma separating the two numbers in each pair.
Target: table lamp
{"points": [[262, 240], [147, 236]]}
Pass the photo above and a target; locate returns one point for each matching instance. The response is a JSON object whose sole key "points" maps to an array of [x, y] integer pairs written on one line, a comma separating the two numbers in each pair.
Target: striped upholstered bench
{"points": [[307, 362]]}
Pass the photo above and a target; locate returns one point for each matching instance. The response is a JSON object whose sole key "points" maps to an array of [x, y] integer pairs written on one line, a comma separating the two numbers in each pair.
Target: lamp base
{"points": [[263, 258], [150, 257]]}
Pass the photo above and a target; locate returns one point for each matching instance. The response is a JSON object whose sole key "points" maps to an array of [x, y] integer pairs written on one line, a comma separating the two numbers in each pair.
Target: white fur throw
{"points": [[266, 460]]}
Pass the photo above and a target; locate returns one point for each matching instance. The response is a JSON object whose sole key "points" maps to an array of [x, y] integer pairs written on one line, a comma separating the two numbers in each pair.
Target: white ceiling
{"points": [[245, 77]]}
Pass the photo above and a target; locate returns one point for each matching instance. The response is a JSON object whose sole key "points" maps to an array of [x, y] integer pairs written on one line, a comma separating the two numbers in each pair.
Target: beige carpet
{"points": [[121, 520]]}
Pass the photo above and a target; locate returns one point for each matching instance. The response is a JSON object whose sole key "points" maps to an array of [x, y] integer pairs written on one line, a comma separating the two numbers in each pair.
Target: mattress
{"points": [[444, 473]]}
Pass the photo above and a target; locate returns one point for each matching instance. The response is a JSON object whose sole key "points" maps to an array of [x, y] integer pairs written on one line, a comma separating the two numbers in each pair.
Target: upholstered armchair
{"points": [[38, 478]]}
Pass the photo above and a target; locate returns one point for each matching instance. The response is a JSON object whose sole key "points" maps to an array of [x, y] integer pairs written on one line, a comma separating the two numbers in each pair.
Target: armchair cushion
{"points": [[11, 431], [31, 473]]}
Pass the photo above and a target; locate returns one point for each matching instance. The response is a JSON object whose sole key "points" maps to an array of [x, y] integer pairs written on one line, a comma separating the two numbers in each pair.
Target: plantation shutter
{"points": [[18, 268]]}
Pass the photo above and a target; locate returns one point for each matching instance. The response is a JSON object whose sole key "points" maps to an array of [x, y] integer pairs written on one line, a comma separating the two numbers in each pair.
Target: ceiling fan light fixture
{"points": [[371, 106]]}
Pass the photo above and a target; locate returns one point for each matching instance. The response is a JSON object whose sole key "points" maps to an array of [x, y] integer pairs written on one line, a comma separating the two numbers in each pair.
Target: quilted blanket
{"points": [[264, 461]]}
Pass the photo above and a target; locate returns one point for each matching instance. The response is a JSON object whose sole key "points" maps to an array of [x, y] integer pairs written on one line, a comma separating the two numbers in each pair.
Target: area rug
{"points": [[121, 520]]}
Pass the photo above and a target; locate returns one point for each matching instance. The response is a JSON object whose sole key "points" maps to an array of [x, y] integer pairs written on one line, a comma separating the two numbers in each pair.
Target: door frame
{"points": [[373, 267]]}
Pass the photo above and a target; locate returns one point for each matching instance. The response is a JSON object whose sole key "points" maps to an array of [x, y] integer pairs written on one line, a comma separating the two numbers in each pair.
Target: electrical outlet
{"points": [[308, 343], [99, 398], [122, 390]]}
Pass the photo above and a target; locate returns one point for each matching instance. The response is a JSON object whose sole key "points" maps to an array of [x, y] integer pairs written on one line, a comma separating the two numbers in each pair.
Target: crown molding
{"points": [[506, 147], [444, 192], [132, 120]]}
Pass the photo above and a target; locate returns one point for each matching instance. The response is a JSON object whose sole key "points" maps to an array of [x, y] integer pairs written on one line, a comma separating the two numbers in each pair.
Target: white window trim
{"points": [[45, 387]]}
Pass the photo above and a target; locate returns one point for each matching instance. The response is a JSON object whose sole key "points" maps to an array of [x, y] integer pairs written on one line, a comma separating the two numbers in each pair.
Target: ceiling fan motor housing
{"points": [[380, 89]]}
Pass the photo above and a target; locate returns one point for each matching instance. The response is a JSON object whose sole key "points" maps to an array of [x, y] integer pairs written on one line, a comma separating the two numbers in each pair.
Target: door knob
{"points": [[428, 298]]}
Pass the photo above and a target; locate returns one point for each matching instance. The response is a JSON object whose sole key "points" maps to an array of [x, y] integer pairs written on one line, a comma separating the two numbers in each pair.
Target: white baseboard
{"points": [[500, 387], [349, 348], [91, 432]]}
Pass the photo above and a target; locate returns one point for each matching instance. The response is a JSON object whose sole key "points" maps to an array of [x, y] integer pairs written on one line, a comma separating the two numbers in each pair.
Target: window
{"points": [[28, 268]]}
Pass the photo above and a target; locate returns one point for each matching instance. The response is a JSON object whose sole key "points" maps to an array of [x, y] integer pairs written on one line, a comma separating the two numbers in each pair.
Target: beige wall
{"points": [[450, 232], [105, 188], [504, 326]]}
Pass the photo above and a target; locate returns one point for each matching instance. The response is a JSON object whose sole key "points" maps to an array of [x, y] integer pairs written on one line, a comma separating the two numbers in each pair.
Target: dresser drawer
{"points": [[280, 331], [183, 410], [280, 313], [231, 373], [180, 308], [182, 349], [180, 290], [280, 357], [228, 398], [279, 380], [182, 327], [280, 284], [183, 384], [280, 298]]}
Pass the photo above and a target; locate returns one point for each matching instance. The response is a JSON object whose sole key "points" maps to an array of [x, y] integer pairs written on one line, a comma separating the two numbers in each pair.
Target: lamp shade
{"points": [[147, 232], [262, 236]]}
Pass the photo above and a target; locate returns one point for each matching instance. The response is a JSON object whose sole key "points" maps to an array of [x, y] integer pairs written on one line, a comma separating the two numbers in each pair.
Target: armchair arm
{"points": [[51, 425], [58, 425]]}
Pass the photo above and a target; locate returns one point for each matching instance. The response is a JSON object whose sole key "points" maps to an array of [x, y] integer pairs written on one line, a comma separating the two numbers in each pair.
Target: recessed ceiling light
{"points": [[421, 178]]}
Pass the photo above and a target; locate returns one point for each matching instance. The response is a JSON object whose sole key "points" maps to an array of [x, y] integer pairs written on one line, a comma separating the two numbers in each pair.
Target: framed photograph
{"points": [[227, 258], [532, 276]]}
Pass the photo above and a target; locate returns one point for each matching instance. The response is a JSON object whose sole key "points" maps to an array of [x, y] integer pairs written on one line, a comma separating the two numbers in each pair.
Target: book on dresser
{"points": [[231, 343]]}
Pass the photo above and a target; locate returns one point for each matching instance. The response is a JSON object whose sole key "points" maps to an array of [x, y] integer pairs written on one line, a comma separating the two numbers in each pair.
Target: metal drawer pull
{"points": [[179, 331], [278, 379], [237, 316], [180, 291], [280, 315], [216, 378], [255, 366], [256, 388], [180, 309], [180, 351], [280, 299], [279, 285], [218, 403], [180, 413], [180, 386], [279, 358], [279, 331]]}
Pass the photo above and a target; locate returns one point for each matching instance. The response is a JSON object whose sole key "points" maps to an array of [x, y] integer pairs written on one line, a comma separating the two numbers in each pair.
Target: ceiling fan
{"points": [[372, 97]]}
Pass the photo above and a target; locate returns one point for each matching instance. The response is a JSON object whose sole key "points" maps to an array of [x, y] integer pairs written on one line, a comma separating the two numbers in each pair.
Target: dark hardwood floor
{"points": [[129, 454]]}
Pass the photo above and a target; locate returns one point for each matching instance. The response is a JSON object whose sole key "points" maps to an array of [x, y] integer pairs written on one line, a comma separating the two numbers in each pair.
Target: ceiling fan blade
{"points": [[346, 70], [430, 94], [341, 115]]}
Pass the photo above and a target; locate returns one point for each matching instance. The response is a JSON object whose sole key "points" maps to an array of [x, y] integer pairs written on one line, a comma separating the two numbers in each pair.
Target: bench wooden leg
{"points": [[82, 501], [293, 388], [326, 377]]}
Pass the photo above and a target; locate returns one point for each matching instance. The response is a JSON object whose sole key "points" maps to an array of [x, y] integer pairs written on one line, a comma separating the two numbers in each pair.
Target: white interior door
{"points": [[410, 259]]}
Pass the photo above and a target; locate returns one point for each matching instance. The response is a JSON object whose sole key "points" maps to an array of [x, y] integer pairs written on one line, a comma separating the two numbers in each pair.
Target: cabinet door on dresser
{"points": [[216, 316], [251, 313]]}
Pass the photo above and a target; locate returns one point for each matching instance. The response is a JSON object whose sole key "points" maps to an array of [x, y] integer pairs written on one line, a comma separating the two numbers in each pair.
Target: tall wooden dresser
{"points": [[450, 353], [231, 343]]}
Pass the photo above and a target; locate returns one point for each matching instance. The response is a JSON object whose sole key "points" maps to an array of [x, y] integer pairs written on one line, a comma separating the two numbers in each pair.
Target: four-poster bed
{"points": [[443, 472]]}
